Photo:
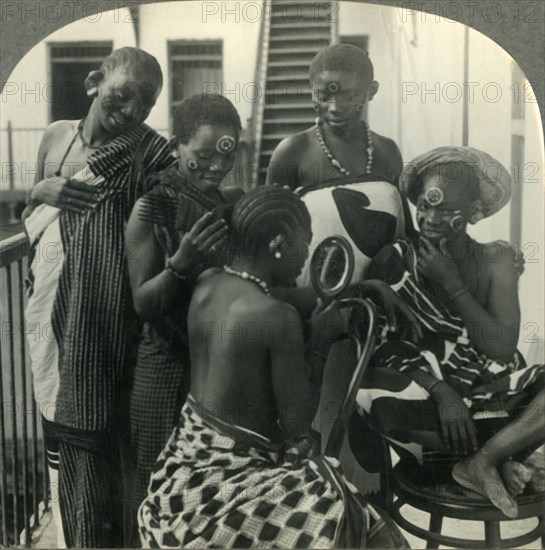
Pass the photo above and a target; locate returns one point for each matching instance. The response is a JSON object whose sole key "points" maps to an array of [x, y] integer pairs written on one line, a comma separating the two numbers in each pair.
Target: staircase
{"points": [[296, 32]]}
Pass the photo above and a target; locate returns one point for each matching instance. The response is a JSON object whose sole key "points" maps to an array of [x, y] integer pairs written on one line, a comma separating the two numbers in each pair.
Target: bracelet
{"points": [[317, 353], [457, 293], [29, 201], [432, 385], [174, 273]]}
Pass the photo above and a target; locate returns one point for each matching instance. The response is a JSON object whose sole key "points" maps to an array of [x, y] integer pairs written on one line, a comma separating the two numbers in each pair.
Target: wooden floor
{"points": [[46, 537]]}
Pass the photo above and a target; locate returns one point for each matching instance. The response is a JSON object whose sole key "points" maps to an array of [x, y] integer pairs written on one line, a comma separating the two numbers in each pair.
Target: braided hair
{"points": [[345, 58], [142, 65], [200, 110], [264, 213]]}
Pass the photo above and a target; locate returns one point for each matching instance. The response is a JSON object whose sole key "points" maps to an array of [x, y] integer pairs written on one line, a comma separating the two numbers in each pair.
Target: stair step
{"points": [[302, 5], [282, 64], [286, 50], [319, 37], [294, 120], [301, 51], [297, 77], [290, 92], [289, 106], [298, 25]]}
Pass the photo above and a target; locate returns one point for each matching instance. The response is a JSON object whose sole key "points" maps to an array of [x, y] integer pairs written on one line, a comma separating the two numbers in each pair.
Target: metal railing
{"points": [[23, 471], [260, 79], [18, 154]]}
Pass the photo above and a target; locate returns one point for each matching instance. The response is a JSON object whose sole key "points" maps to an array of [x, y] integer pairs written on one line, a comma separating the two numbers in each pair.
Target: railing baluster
{"points": [[24, 404], [14, 360], [13, 397], [35, 481], [3, 457], [45, 478]]}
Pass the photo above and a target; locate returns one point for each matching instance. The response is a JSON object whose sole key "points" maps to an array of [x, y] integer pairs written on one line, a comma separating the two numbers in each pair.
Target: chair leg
{"points": [[492, 534], [436, 522]]}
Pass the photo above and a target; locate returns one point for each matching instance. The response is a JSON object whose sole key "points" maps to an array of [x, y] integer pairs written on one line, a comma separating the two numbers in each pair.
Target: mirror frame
{"points": [[346, 278]]}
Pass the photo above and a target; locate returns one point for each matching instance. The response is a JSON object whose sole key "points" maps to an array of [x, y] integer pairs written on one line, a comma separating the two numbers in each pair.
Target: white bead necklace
{"points": [[334, 162], [249, 277]]}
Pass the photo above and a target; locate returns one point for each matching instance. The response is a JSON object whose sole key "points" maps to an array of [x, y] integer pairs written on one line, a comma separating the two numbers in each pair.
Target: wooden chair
{"points": [[403, 485]]}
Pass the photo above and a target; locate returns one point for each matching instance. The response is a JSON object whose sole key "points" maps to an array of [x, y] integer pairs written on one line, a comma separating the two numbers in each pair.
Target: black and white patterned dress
{"points": [[217, 485]]}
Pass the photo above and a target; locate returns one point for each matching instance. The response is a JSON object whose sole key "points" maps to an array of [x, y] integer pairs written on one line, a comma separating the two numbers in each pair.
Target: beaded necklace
{"points": [[334, 162], [79, 134], [248, 277]]}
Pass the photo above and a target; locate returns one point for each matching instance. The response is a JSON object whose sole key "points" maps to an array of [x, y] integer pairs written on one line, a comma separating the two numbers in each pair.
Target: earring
{"points": [[360, 108], [192, 164], [457, 223], [477, 217], [277, 254], [175, 153]]}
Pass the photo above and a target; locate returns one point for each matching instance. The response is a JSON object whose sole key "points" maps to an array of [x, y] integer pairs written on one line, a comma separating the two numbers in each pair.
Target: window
{"points": [[70, 64], [195, 66], [360, 41]]}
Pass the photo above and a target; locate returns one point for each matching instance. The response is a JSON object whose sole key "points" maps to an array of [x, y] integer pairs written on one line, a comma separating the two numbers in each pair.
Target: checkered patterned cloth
{"points": [[219, 486]]}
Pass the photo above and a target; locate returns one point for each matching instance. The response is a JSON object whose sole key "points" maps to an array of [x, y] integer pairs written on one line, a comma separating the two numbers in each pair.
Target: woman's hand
{"points": [[327, 325], [519, 259], [457, 427], [393, 305], [205, 236], [438, 265], [65, 194]]}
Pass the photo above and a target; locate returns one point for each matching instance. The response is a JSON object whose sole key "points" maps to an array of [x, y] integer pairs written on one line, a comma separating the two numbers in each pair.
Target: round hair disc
{"points": [[434, 196], [192, 164], [225, 144]]}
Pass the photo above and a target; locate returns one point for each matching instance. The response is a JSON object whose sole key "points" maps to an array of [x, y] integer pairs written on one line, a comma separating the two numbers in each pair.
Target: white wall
{"points": [[28, 109], [26, 99], [232, 22], [419, 63]]}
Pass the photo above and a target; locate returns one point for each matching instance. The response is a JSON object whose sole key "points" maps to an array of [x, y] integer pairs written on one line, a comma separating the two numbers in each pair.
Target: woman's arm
{"points": [[53, 190], [155, 283], [153, 287], [494, 328], [303, 299], [296, 374]]}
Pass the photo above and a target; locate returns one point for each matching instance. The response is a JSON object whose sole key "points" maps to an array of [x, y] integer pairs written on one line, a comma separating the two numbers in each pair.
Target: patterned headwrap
{"points": [[492, 179]]}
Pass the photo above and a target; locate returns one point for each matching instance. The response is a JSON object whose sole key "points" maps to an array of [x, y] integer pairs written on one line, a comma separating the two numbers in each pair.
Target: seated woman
{"points": [[177, 231], [241, 470], [464, 379]]}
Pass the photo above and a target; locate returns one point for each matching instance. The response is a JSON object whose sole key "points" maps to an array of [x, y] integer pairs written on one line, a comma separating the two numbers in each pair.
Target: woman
{"points": [[175, 236], [240, 470], [89, 174], [464, 379]]}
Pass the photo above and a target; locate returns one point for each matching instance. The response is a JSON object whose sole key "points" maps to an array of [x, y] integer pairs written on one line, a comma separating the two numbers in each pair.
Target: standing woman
{"points": [[176, 231], [87, 181]]}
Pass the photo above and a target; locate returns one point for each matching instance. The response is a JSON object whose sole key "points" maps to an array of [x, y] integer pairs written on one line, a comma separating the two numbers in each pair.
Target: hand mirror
{"points": [[332, 266]]}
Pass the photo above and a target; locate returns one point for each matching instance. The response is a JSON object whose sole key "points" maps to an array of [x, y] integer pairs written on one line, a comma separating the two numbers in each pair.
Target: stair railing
{"points": [[260, 80]]}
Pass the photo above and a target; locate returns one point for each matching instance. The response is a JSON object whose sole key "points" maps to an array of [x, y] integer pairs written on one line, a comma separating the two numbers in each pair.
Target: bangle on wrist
{"points": [[173, 272], [432, 385], [317, 353], [457, 293], [30, 201]]}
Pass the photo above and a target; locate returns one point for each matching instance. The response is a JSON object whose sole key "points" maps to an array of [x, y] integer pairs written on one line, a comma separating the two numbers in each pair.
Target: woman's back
{"points": [[232, 327]]}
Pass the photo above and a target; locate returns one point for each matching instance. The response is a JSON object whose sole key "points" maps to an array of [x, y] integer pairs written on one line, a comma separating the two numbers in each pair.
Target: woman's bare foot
{"points": [[515, 476], [478, 474]]}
